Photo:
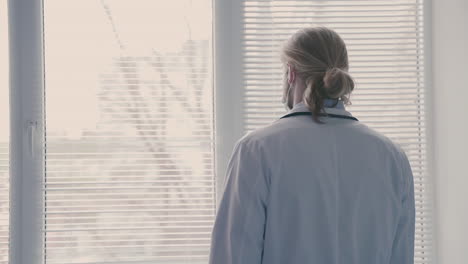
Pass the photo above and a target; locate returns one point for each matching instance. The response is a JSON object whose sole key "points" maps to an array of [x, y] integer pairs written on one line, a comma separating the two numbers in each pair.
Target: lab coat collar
{"points": [[339, 109]]}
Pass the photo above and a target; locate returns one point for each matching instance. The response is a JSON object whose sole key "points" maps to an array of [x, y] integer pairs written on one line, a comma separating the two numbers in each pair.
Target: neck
{"points": [[299, 88]]}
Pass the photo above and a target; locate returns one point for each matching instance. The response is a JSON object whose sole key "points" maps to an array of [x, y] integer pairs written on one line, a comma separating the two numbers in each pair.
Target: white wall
{"points": [[450, 128]]}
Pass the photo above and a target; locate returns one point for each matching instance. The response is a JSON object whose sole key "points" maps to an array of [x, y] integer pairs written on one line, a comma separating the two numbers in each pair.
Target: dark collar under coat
{"points": [[329, 108]]}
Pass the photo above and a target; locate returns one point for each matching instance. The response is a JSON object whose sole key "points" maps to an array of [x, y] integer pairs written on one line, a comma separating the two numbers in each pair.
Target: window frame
{"points": [[227, 57], [26, 128], [429, 106]]}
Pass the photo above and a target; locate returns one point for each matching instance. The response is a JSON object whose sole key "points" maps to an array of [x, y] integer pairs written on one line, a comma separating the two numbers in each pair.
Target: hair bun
{"points": [[337, 82]]}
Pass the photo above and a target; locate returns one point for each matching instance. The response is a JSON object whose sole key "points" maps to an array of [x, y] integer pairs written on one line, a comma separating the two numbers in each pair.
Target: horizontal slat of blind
{"points": [[385, 46], [137, 184]]}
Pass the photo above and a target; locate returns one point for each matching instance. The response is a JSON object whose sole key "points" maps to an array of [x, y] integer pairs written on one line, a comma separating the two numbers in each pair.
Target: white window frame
{"points": [[428, 108], [26, 128], [227, 36]]}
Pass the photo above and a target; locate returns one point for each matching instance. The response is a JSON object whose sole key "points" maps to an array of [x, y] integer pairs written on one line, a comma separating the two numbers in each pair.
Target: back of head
{"points": [[320, 59]]}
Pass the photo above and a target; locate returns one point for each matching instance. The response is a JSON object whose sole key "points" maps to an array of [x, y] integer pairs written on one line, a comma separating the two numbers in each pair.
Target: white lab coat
{"points": [[297, 192]]}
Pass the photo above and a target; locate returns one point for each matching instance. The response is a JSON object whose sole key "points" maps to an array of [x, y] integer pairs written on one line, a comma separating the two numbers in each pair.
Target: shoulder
{"points": [[257, 144], [260, 136], [395, 151], [380, 138]]}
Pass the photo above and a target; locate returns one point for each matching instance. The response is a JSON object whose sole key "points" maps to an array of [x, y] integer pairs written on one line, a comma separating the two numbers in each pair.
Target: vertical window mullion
{"points": [[27, 131], [229, 92]]}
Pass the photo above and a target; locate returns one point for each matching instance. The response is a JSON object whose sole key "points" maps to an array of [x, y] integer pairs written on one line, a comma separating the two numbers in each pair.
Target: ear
{"points": [[291, 74]]}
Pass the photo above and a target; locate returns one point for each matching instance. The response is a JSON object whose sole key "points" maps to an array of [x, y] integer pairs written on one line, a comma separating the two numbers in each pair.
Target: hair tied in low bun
{"points": [[329, 75]]}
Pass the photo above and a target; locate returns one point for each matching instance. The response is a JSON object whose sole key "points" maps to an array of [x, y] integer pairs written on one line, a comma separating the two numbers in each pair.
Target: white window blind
{"points": [[4, 135], [129, 131], [385, 42]]}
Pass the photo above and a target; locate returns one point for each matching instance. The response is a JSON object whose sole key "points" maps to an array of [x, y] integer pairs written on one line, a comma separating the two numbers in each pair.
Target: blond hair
{"points": [[320, 59]]}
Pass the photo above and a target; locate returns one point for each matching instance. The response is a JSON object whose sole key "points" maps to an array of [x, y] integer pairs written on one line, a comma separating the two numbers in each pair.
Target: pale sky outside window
{"points": [[81, 44], [4, 72]]}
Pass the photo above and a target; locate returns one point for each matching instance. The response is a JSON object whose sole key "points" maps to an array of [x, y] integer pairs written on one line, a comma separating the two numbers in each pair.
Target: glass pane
{"points": [[4, 133], [129, 131]]}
